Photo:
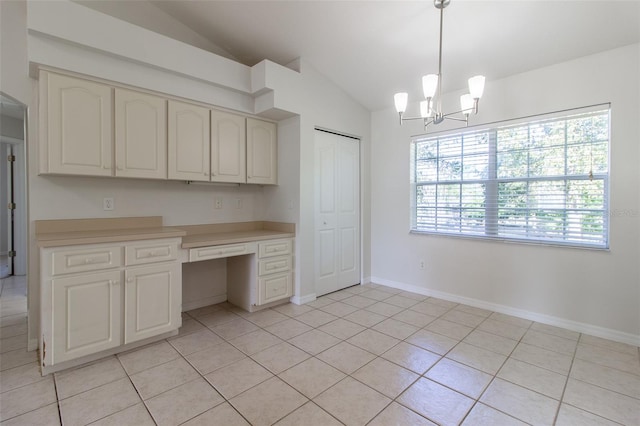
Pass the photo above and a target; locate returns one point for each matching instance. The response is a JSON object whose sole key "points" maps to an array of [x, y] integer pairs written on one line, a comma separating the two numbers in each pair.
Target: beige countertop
{"points": [[57, 239], [56, 233]]}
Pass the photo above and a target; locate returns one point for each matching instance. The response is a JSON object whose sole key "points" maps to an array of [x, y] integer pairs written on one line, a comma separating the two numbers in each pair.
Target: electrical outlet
{"points": [[238, 203], [422, 264], [108, 204], [218, 203]]}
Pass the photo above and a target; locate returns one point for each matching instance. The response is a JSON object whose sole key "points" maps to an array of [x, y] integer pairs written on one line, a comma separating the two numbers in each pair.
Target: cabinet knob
{"points": [[129, 280], [87, 261], [106, 166], [118, 167]]}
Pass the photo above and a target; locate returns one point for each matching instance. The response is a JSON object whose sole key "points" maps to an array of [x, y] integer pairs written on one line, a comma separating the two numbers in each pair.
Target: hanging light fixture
{"points": [[431, 107]]}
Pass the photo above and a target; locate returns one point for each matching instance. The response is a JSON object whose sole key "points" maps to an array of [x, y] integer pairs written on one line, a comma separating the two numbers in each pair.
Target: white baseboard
{"points": [[580, 327], [201, 303], [301, 300]]}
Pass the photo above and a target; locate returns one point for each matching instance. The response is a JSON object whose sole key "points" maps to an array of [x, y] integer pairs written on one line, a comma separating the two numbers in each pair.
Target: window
{"points": [[543, 180]]}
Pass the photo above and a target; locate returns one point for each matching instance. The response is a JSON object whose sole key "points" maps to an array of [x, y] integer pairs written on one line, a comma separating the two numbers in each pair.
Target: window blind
{"points": [[542, 180]]}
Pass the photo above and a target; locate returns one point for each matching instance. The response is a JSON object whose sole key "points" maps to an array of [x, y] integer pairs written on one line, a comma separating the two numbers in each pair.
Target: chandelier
{"points": [[432, 88]]}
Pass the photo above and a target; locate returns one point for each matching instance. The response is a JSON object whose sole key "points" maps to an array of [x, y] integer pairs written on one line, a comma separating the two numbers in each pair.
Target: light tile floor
{"points": [[367, 355]]}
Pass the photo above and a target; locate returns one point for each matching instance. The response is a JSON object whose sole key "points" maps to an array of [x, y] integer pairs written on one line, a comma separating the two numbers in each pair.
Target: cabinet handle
{"points": [[130, 280], [88, 261]]}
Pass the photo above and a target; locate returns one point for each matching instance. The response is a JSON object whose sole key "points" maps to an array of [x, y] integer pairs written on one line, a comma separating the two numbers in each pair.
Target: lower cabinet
{"points": [[135, 295], [262, 280]]}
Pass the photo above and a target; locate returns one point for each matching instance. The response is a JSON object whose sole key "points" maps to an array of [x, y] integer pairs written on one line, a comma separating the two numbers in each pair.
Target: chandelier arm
{"points": [[454, 113], [455, 118]]}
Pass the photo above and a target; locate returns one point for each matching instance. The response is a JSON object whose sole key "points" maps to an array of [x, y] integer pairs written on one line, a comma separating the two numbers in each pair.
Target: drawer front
{"points": [[274, 287], [275, 265], [88, 259], [151, 252], [275, 248], [216, 252]]}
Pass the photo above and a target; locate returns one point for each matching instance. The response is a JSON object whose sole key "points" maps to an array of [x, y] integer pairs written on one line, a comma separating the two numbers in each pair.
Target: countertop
{"points": [[57, 233]]}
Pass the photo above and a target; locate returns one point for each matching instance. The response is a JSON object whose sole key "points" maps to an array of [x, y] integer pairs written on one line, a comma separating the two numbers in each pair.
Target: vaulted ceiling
{"points": [[372, 49]]}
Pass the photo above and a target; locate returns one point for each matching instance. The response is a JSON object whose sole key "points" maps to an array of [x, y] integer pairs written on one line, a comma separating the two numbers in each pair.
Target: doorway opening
{"points": [[13, 212]]}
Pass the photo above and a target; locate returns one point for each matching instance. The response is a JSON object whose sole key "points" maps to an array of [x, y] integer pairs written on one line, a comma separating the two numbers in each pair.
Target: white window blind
{"points": [[543, 180]]}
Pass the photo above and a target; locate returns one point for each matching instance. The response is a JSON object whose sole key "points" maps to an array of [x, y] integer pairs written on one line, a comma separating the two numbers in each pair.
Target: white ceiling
{"points": [[372, 49]]}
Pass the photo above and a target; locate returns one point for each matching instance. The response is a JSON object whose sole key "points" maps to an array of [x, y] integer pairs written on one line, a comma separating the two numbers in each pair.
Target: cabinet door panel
{"points": [[141, 135], [188, 142], [87, 315], [262, 162], [78, 128], [153, 300], [228, 147]]}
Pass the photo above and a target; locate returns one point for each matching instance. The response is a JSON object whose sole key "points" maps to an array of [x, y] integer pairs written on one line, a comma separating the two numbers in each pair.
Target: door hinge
{"points": [[11, 158], [12, 253], [11, 206]]}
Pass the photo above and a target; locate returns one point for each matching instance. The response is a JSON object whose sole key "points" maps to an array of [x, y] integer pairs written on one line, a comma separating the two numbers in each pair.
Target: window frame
{"points": [[493, 128]]}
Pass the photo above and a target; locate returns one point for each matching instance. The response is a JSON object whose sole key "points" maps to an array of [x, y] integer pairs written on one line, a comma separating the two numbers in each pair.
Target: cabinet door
{"points": [[262, 152], [78, 126], [274, 287], [188, 142], [141, 135], [228, 148], [87, 315], [152, 300]]}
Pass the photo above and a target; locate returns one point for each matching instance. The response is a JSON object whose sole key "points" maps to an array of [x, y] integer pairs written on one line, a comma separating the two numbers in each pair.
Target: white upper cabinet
{"points": [[262, 148], [89, 128], [76, 126], [228, 147], [140, 135], [188, 142]]}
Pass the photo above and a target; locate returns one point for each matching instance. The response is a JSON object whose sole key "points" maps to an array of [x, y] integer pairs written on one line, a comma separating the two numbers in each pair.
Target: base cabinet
{"points": [[106, 296], [263, 279]]}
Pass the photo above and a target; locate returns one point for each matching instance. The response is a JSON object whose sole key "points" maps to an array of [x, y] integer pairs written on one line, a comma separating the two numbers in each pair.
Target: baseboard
{"points": [[201, 303], [301, 300], [580, 327]]}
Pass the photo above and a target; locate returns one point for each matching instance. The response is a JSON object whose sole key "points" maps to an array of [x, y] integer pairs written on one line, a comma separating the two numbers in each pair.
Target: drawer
{"points": [[275, 248], [216, 252], [151, 251], [86, 259], [274, 287], [274, 265]]}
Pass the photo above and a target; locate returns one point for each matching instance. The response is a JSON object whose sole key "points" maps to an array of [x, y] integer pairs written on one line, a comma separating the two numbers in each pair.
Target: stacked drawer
{"points": [[275, 266]]}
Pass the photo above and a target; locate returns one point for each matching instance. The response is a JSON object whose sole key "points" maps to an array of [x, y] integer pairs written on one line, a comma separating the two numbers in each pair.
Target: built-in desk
{"points": [[258, 260], [108, 285]]}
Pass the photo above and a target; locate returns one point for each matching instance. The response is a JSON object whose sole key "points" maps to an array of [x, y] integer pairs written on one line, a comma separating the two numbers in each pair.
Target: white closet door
{"points": [[337, 212]]}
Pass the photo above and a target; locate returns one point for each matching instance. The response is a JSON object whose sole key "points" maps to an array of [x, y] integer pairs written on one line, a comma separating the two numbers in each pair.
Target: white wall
{"points": [[587, 290]]}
